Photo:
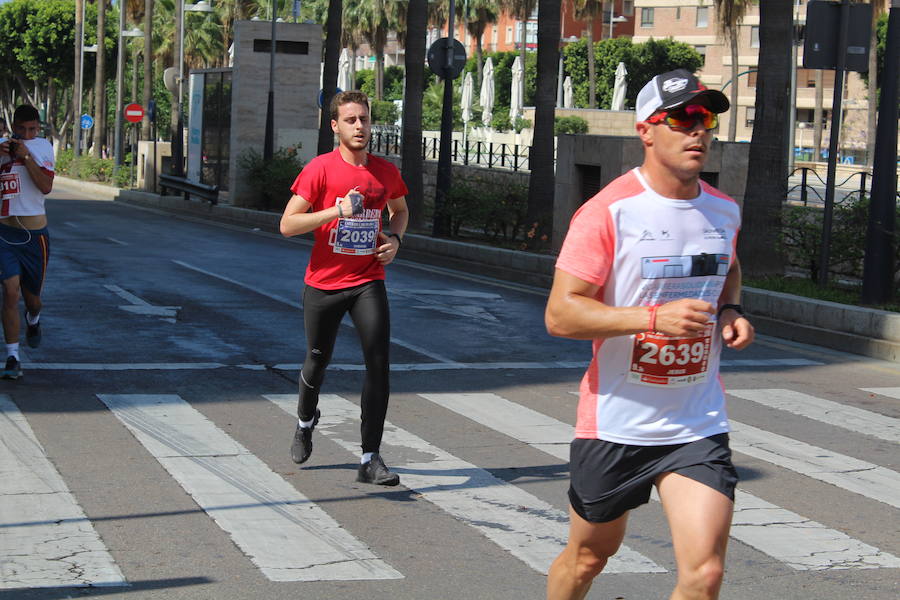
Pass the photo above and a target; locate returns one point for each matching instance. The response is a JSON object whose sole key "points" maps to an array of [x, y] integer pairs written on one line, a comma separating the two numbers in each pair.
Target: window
{"points": [[701, 50], [509, 35], [702, 16], [806, 78], [754, 36], [494, 34], [646, 17], [628, 8], [751, 115], [678, 13]]}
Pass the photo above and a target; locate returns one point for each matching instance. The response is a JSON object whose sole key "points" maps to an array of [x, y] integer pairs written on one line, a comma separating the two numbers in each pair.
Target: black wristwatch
{"points": [[396, 235], [735, 307]]}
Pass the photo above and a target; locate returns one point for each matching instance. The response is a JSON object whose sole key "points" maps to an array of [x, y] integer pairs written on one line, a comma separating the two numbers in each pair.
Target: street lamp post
{"points": [[120, 83], [178, 142]]}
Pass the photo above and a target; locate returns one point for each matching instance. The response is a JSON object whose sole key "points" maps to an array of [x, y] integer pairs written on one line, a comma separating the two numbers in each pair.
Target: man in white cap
{"points": [[649, 272]]}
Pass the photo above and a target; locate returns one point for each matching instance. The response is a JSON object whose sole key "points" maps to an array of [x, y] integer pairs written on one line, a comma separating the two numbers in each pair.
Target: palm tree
{"points": [[587, 10], [413, 164], [729, 16], [541, 187], [100, 82], [481, 12], [373, 19], [765, 195], [148, 66], [329, 74]]}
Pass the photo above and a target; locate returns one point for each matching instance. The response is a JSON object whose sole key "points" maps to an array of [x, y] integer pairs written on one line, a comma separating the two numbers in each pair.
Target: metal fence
{"points": [[514, 157]]}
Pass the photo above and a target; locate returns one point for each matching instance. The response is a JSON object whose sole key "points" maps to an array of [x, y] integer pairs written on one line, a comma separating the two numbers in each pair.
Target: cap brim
{"points": [[714, 100]]}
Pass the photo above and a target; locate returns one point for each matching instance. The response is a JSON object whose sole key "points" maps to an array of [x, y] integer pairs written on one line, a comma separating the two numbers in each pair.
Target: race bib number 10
{"points": [[355, 236], [660, 360]]}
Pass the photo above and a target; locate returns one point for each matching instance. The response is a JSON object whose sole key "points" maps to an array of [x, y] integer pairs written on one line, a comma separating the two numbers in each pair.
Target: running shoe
{"points": [[302, 446], [376, 472], [33, 334], [13, 368]]}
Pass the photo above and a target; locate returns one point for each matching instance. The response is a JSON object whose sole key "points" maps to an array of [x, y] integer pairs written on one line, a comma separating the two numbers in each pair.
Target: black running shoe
{"points": [[13, 368], [376, 472], [33, 334], [302, 446]]}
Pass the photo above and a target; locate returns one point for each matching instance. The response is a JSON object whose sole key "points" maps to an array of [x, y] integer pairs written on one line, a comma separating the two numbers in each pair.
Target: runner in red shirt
{"points": [[340, 196]]}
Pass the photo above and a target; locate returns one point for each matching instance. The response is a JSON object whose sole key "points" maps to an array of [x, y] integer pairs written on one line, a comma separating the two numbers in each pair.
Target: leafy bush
{"points": [[801, 238], [571, 124], [497, 211], [393, 82], [384, 111], [272, 180], [88, 168]]}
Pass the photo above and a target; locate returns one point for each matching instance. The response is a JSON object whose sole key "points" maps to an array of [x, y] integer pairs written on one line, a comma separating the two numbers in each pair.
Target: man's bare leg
{"points": [[699, 518], [585, 555]]}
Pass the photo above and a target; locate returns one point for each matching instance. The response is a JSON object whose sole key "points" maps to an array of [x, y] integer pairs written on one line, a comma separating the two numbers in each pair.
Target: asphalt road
{"points": [[145, 452]]}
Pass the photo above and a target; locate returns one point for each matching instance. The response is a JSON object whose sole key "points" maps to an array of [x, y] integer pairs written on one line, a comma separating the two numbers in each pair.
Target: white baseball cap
{"points": [[677, 88]]}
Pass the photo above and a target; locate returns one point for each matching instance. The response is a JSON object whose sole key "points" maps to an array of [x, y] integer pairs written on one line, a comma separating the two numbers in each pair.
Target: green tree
{"points": [[481, 12]]}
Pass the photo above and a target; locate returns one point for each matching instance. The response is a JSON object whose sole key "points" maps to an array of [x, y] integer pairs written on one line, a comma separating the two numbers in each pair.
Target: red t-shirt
{"points": [[344, 251]]}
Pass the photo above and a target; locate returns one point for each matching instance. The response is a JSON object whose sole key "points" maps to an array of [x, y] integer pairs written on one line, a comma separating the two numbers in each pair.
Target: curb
{"points": [[866, 331]]}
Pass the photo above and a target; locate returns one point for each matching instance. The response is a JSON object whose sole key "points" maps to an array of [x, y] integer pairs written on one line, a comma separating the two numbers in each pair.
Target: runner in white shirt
{"points": [[649, 272], [26, 176]]}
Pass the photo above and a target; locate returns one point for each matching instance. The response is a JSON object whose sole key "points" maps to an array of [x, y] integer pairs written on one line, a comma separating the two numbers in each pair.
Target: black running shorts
{"points": [[609, 479]]}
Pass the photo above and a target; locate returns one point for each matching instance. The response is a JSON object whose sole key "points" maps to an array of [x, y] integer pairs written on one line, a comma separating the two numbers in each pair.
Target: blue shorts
{"points": [[24, 252]]}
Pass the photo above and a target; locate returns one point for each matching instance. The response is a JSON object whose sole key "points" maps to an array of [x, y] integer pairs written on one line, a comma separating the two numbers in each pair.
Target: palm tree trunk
{"points": [[592, 67], [100, 82], [733, 120], [329, 76], [542, 182], [413, 163], [767, 191], [148, 66]]}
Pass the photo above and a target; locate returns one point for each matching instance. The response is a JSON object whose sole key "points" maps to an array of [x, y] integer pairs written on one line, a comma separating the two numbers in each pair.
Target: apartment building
{"points": [[694, 22]]}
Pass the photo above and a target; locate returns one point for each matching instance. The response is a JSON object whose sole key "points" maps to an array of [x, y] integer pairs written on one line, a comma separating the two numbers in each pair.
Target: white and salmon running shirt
{"points": [[19, 196], [643, 249]]}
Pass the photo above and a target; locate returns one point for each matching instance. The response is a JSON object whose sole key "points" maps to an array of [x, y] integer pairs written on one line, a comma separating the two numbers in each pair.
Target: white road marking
{"points": [[45, 538], [398, 342], [400, 367], [827, 411], [139, 306], [890, 392], [525, 526], [285, 534], [780, 533], [119, 242], [857, 476]]}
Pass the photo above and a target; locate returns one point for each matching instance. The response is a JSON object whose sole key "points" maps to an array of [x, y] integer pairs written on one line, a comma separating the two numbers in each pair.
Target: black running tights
{"points": [[322, 314]]}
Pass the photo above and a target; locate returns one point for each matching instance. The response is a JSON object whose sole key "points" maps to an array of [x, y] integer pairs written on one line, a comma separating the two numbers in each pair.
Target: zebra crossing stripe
{"points": [[525, 526], [827, 411], [857, 476], [795, 540], [890, 392], [285, 534], [45, 538]]}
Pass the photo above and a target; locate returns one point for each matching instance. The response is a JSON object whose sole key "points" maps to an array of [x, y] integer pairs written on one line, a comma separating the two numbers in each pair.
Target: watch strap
{"points": [[735, 307]]}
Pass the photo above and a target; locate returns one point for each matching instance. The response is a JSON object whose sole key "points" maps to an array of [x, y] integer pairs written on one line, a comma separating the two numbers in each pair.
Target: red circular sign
{"points": [[134, 113]]}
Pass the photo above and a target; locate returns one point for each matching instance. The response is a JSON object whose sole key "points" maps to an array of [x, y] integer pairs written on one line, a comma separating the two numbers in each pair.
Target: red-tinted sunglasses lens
{"points": [[686, 118]]}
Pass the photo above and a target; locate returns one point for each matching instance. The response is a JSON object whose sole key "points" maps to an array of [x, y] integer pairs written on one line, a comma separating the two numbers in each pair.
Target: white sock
{"points": [[366, 457], [13, 350], [32, 320], [306, 424]]}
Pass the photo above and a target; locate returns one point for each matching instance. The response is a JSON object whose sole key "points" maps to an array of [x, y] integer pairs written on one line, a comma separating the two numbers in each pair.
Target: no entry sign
{"points": [[134, 113]]}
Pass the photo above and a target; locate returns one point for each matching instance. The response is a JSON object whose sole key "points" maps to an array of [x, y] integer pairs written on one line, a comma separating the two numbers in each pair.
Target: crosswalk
{"points": [[47, 541]]}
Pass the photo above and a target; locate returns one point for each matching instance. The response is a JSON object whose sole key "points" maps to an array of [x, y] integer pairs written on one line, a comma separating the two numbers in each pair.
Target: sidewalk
{"points": [[865, 331]]}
